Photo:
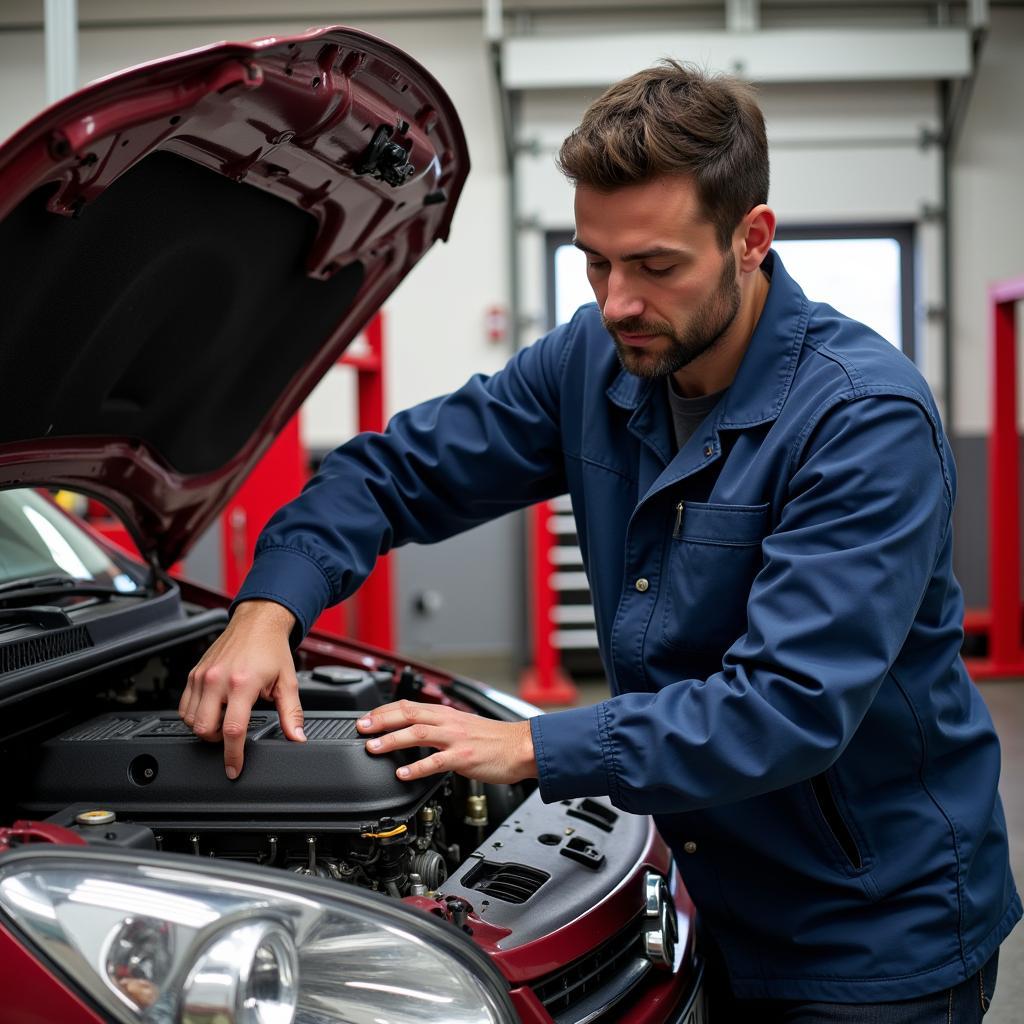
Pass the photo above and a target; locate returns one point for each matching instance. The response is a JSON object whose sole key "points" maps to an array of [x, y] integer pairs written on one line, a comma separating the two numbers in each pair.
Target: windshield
{"points": [[37, 539]]}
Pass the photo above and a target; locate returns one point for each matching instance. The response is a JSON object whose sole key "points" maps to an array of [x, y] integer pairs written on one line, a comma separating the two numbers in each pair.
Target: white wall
{"points": [[988, 212], [22, 78]]}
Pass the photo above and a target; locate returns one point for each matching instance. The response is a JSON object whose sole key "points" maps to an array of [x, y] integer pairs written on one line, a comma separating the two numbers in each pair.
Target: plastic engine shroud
{"points": [[150, 767]]}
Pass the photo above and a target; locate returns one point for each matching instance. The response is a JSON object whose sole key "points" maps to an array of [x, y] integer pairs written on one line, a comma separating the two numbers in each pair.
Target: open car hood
{"points": [[187, 246]]}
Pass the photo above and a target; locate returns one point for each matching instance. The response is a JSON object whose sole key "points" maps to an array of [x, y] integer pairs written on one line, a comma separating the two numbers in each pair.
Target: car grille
{"points": [[588, 988]]}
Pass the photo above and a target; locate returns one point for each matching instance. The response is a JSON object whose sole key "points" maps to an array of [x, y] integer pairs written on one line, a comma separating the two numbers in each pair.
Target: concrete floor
{"points": [[1006, 702]]}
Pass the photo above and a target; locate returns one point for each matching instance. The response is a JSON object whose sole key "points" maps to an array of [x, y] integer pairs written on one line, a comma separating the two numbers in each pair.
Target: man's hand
{"points": [[476, 747], [250, 659]]}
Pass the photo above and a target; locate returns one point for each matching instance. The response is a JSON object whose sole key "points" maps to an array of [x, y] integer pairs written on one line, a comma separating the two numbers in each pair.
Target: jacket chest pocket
{"points": [[715, 554]]}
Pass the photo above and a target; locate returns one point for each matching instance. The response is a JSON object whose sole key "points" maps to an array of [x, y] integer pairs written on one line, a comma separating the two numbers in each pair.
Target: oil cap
{"points": [[95, 818]]}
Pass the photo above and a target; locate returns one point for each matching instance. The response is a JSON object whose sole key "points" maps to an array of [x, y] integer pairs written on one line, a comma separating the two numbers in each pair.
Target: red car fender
{"points": [[33, 994]]}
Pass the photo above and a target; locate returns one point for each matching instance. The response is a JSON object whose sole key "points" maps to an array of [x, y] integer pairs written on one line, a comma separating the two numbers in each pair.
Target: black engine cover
{"points": [[150, 768]]}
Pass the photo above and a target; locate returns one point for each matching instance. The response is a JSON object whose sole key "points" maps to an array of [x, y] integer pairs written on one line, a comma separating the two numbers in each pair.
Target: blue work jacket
{"points": [[777, 616]]}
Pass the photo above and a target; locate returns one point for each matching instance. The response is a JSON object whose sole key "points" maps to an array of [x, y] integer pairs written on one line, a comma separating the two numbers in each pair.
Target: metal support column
{"points": [[281, 474], [742, 15], [61, 25], [1005, 642], [373, 600]]}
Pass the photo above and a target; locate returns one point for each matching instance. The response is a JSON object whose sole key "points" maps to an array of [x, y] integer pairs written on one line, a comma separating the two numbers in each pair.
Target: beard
{"points": [[685, 342]]}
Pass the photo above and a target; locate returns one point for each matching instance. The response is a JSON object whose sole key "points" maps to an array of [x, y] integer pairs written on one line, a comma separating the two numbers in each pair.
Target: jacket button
{"points": [[690, 847], [641, 584], [708, 451]]}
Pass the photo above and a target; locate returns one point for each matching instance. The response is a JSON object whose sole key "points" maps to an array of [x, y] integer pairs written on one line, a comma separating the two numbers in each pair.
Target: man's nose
{"points": [[621, 301]]}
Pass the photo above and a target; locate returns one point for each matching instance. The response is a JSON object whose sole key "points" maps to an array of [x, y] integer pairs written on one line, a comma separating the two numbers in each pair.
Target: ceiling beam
{"points": [[772, 55]]}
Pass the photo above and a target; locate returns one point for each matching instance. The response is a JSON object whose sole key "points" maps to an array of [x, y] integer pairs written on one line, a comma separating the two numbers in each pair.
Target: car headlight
{"points": [[155, 942]]}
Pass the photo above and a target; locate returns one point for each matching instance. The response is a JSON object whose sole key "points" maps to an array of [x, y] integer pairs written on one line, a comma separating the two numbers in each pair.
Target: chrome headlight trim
{"points": [[329, 921], [225, 981], [518, 706]]}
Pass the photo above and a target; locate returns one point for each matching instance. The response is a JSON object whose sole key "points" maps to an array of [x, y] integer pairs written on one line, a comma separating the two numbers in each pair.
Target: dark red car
{"points": [[185, 248]]}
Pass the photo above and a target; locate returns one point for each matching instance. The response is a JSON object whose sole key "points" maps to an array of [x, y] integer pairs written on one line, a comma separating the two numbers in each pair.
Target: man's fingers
{"points": [[194, 691], [442, 761], [414, 736], [251, 657], [193, 708], [289, 708], [186, 696], [400, 713], [207, 711], [236, 725]]}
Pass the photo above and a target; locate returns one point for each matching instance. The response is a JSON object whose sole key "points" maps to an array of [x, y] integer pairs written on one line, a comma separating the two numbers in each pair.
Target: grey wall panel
{"points": [[970, 518], [476, 580], [204, 564]]}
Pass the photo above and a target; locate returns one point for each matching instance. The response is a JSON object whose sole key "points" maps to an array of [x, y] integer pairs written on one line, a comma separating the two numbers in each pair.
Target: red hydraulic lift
{"points": [[1001, 621], [281, 474], [544, 682], [373, 602]]}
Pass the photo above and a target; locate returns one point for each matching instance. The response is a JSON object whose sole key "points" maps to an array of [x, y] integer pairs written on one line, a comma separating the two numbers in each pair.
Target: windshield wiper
{"points": [[35, 587], [30, 582], [38, 615]]}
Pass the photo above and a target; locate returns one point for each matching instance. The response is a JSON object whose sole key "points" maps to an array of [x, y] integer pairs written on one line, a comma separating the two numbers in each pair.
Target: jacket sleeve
{"points": [[867, 514], [440, 467]]}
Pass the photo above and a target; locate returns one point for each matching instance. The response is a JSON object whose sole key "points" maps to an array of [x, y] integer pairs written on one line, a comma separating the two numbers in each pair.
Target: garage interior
{"points": [[896, 132]]}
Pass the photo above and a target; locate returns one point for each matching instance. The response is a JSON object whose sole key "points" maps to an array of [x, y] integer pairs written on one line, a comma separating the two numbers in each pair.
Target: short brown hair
{"points": [[676, 119]]}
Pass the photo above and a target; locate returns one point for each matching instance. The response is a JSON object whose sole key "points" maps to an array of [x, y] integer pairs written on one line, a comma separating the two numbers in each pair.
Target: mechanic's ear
{"points": [[756, 231]]}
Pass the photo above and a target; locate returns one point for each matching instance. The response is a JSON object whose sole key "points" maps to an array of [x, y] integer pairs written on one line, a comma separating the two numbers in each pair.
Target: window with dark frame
{"points": [[865, 271]]}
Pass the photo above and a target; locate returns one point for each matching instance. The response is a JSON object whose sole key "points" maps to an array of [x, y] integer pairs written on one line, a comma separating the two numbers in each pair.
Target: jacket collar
{"points": [[765, 375]]}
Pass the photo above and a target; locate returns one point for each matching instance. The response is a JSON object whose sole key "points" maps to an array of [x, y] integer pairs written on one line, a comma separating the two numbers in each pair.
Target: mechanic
{"points": [[763, 493]]}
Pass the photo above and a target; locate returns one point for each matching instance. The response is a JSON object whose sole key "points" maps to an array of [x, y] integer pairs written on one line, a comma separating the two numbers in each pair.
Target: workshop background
{"points": [[894, 126], [898, 118]]}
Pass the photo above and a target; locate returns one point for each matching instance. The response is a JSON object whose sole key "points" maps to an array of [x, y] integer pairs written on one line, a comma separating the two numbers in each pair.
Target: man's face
{"points": [[666, 290]]}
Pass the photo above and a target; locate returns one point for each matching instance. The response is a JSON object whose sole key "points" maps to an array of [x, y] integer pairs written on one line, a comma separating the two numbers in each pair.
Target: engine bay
{"points": [[326, 808], [94, 752], [329, 810], [104, 755]]}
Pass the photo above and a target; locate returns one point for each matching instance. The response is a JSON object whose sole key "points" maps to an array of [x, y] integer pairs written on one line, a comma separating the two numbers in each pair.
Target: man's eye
{"points": [[657, 271], [596, 264]]}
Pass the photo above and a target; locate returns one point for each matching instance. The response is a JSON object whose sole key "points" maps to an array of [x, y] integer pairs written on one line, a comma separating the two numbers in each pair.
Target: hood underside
{"points": [[186, 247]]}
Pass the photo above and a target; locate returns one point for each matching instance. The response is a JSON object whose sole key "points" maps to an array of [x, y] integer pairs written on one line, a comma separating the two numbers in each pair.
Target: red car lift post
{"points": [[1002, 620], [281, 474], [373, 624], [545, 682]]}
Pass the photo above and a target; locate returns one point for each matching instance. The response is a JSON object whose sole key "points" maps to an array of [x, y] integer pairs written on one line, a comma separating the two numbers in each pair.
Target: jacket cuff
{"points": [[291, 578], [570, 750]]}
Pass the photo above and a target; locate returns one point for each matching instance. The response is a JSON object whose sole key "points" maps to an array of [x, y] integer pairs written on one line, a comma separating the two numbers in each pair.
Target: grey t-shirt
{"points": [[689, 413]]}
